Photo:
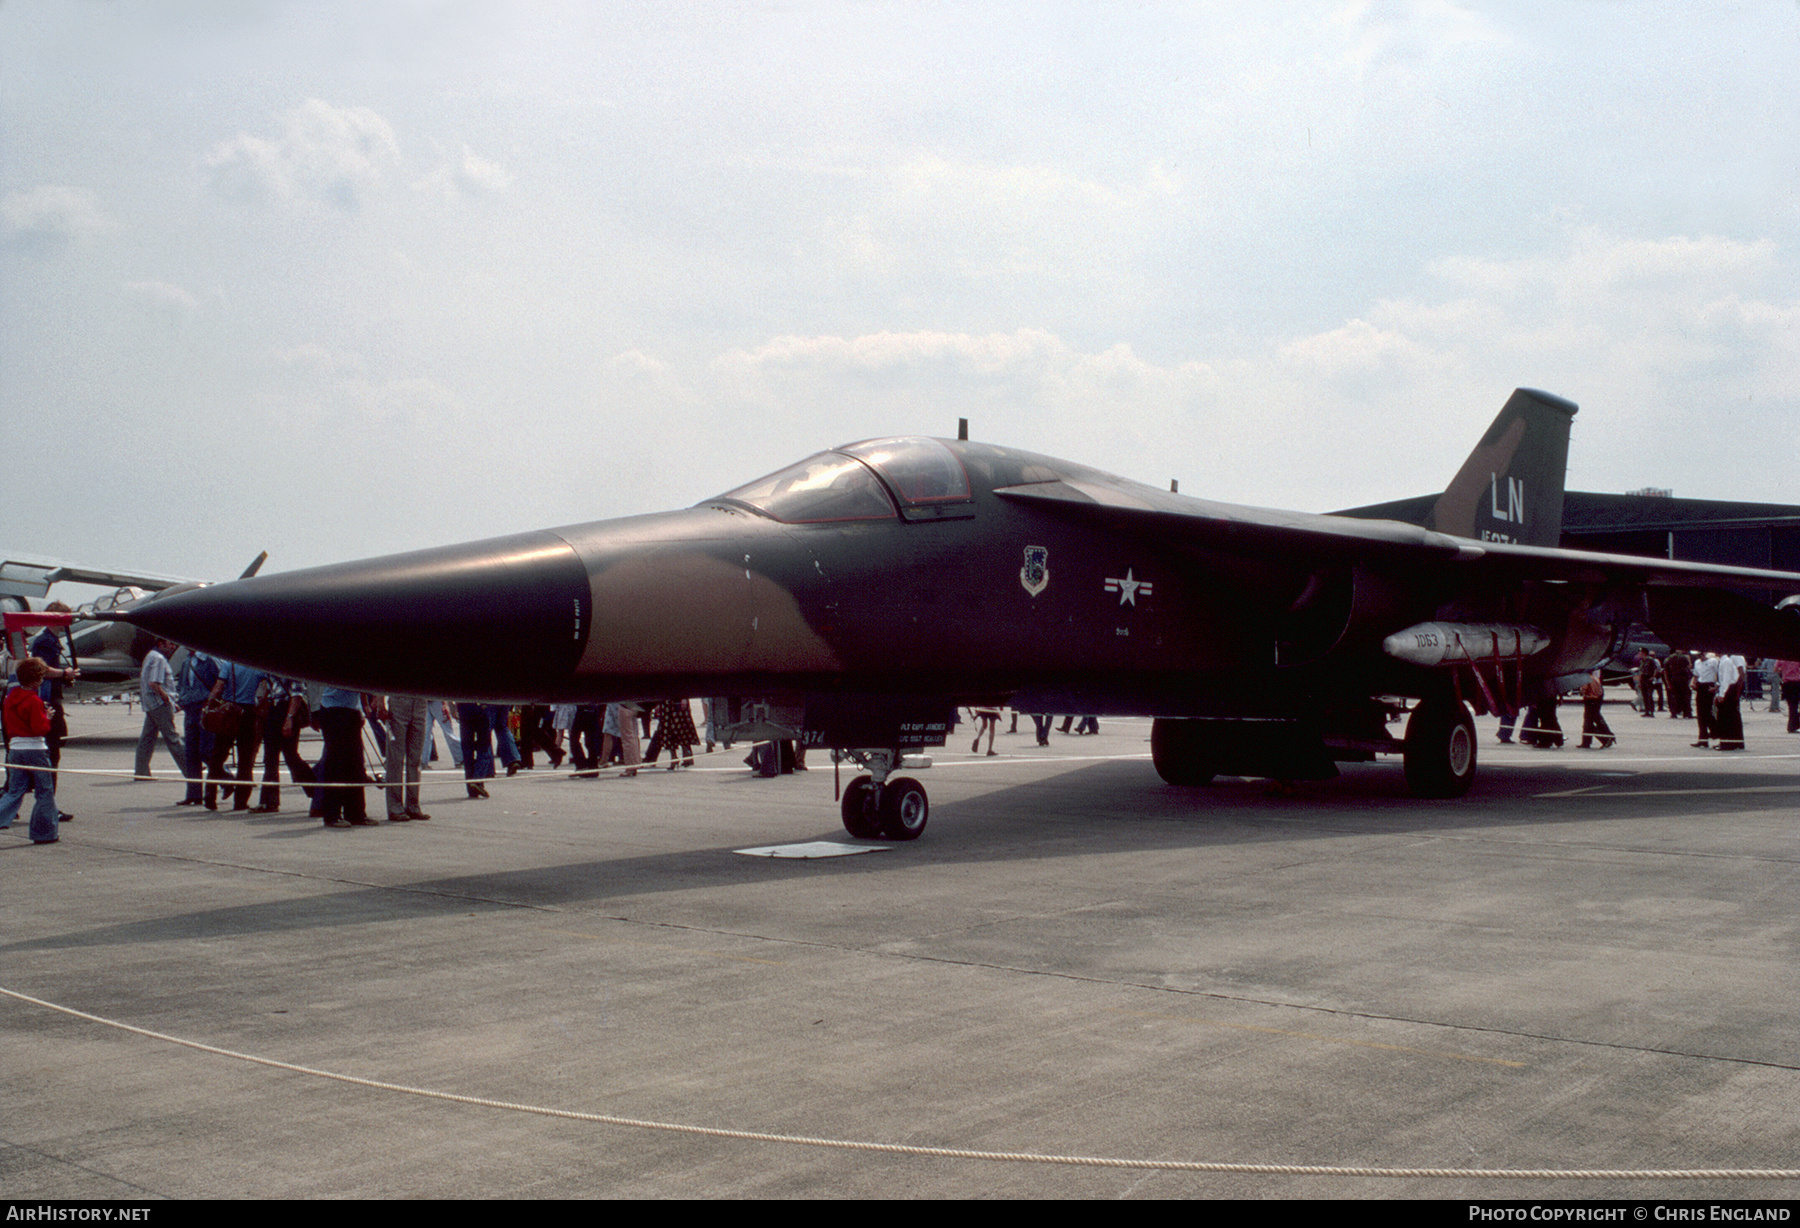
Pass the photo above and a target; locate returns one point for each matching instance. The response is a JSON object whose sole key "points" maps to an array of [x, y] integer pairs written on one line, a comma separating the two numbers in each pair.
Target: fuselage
{"points": [[907, 567]]}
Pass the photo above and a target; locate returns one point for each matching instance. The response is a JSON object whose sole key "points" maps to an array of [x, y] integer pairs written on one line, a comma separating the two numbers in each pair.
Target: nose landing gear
{"points": [[881, 806]]}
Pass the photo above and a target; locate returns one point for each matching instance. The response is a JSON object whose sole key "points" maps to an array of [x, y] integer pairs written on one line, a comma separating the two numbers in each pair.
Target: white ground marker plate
{"points": [[814, 849]]}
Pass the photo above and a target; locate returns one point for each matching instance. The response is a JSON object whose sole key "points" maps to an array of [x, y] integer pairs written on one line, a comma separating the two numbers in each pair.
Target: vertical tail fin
{"points": [[1511, 487]]}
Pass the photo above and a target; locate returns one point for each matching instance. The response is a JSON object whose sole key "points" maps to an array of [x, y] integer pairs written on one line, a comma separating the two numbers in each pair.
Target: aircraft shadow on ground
{"points": [[95, 741], [1100, 808]]}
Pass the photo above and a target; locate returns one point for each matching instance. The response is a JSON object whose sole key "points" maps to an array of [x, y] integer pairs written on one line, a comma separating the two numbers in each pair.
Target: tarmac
{"points": [[1587, 964]]}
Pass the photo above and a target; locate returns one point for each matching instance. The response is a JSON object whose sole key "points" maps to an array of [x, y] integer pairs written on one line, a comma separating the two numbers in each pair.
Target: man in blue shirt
{"points": [[237, 686], [198, 673], [340, 723]]}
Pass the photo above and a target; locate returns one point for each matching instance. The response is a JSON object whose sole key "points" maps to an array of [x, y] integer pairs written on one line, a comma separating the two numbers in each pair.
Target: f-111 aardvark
{"points": [[855, 599]]}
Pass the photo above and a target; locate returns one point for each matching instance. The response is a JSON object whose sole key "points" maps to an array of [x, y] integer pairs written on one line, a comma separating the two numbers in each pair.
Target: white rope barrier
{"points": [[947, 1153]]}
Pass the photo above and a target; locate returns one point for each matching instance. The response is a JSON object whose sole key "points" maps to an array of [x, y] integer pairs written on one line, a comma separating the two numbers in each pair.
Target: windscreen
{"points": [[829, 486]]}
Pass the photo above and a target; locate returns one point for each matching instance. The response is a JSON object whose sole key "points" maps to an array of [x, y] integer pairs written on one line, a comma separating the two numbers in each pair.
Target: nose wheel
{"points": [[904, 809], [862, 818], [894, 809]]}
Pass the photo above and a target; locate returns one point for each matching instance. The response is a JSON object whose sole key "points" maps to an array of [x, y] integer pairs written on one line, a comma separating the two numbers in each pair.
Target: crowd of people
{"points": [[231, 713], [1708, 688], [32, 721]]}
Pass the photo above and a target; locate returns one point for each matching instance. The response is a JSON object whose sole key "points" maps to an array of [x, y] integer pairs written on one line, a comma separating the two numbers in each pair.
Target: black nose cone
{"points": [[504, 619]]}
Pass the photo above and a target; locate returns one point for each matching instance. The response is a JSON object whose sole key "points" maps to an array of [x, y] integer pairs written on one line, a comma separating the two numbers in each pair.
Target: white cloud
{"points": [[1029, 387], [1644, 333], [162, 295], [1403, 39], [312, 357], [470, 175], [1357, 348], [478, 174], [1024, 359], [1662, 341], [1597, 264], [415, 403], [321, 391], [1612, 308], [334, 156], [1003, 220], [52, 212], [889, 351]]}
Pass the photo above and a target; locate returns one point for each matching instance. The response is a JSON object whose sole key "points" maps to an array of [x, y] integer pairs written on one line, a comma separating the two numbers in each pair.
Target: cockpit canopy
{"points": [[916, 478]]}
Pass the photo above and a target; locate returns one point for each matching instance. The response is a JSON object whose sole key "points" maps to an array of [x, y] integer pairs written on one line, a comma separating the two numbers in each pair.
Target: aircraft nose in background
{"points": [[489, 619]]}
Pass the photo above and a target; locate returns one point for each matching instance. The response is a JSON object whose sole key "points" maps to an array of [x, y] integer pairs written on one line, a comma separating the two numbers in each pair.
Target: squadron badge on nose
{"points": [[1035, 575]]}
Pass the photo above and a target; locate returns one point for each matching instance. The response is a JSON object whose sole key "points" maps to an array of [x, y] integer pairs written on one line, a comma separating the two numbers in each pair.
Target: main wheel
{"points": [[1178, 750], [904, 808], [1440, 749], [860, 817]]}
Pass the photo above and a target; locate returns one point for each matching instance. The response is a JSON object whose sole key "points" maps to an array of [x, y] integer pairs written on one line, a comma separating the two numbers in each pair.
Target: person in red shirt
{"points": [[27, 724], [1593, 720]]}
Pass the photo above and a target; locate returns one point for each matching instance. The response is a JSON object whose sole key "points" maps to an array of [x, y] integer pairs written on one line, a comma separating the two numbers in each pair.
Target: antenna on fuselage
{"points": [[962, 429]]}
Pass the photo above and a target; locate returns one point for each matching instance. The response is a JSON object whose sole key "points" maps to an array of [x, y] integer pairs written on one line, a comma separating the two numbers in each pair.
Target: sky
{"points": [[340, 279]]}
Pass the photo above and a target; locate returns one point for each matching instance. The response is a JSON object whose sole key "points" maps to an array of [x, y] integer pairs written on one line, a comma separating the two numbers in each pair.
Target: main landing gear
{"points": [[881, 806], [1178, 750], [1440, 749]]}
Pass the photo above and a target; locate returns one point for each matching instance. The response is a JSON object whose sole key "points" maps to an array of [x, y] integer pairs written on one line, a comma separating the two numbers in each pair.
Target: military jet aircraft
{"points": [[854, 599]]}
